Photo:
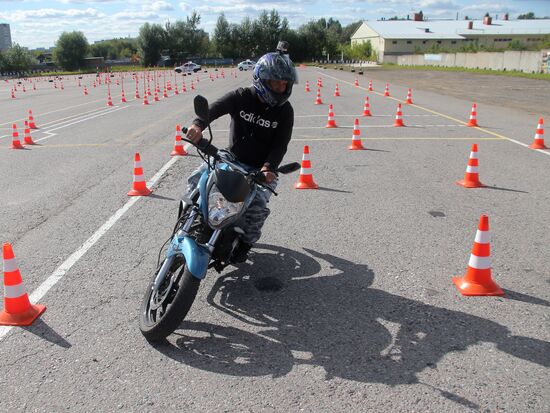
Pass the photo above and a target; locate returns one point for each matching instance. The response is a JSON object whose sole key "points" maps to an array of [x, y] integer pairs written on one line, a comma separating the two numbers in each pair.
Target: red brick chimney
{"points": [[506, 17], [418, 17], [470, 25], [487, 20]]}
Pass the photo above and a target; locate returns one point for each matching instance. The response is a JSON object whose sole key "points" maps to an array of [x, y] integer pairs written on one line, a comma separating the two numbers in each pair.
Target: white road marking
{"points": [[60, 272]]}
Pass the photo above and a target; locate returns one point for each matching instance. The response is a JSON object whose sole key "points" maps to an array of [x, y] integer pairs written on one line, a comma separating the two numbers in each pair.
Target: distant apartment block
{"points": [[5, 36]]}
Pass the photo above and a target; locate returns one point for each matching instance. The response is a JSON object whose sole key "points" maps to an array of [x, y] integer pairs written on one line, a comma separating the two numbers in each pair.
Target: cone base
{"points": [[306, 185], [30, 143], [469, 288], [409, 102], [178, 153], [538, 146], [17, 146], [331, 125], [472, 125], [366, 114], [140, 192], [25, 318], [336, 95], [318, 103], [398, 125], [470, 184], [356, 148]]}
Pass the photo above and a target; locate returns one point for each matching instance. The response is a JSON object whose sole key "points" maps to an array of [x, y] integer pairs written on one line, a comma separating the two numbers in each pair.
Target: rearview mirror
{"points": [[289, 167], [201, 107]]}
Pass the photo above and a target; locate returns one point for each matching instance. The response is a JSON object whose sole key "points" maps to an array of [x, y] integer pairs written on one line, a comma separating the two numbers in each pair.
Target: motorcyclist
{"points": [[261, 127]]}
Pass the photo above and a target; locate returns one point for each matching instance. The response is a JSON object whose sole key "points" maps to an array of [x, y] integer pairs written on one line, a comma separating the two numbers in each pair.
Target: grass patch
{"points": [[513, 73]]}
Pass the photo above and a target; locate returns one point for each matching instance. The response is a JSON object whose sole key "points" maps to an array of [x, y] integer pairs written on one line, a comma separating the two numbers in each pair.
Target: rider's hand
{"points": [[194, 134], [269, 176]]}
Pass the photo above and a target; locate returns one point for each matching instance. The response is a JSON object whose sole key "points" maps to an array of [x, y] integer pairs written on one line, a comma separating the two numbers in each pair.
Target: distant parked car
{"points": [[188, 68], [246, 65]]}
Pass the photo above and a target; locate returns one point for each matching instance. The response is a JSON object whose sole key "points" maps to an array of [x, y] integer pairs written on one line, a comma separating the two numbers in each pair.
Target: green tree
{"points": [[70, 50], [18, 59], [222, 38], [184, 39], [527, 16], [348, 31], [151, 40], [3, 62]]}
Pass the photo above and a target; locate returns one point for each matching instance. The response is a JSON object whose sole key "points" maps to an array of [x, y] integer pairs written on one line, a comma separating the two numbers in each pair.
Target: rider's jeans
{"points": [[254, 217]]}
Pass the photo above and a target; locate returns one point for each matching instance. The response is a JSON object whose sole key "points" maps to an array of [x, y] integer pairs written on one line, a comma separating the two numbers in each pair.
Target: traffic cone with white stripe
{"points": [[471, 176], [370, 86], [318, 100], [18, 310], [123, 98], [305, 180], [15, 142], [145, 100], [478, 280], [398, 117], [32, 125], [356, 144], [409, 100], [538, 143], [473, 117], [331, 123], [307, 86], [85, 91], [27, 139], [356, 82], [366, 108], [139, 187], [179, 150], [337, 90], [387, 90], [136, 95]]}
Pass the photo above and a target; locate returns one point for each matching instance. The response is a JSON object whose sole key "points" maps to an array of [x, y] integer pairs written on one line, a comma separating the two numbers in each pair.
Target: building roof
{"points": [[455, 29]]}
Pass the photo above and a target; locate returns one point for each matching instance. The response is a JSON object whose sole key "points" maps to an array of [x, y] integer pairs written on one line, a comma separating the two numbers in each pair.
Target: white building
{"points": [[5, 36], [399, 37]]}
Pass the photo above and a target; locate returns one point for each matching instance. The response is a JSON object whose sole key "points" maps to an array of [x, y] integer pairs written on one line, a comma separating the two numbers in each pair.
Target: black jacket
{"points": [[259, 133]]}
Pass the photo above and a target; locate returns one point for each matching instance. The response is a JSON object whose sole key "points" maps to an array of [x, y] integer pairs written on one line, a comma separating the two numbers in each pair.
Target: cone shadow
{"points": [[505, 189], [41, 329], [323, 188], [513, 295], [165, 198]]}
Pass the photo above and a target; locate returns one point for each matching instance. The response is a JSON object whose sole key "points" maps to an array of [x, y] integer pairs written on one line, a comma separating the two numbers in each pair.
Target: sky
{"points": [[38, 23]]}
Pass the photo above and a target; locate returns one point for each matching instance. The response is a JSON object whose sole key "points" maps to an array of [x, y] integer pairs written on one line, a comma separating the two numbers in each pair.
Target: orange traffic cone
{"points": [[398, 117], [13, 93], [356, 82], [318, 100], [27, 139], [32, 125], [123, 98], [305, 180], [164, 92], [18, 310], [319, 82], [471, 176], [179, 150], [331, 123], [109, 100], [387, 90], [15, 142], [85, 90], [337, 90], [538, 143], [307, 86], [356, 144], [370, 86], [366, 107], [183, 88], [478, 280], [145, 101], [473, 118], [136, 95], [139, 187], [409, 97], [156, 96]]}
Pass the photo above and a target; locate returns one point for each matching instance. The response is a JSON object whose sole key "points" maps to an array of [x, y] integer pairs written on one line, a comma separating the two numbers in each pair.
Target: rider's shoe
{"points": [[240, 253]]}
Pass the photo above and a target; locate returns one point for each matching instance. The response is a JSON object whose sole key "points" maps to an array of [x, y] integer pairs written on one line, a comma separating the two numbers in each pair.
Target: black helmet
{"points": [[276, 66]]}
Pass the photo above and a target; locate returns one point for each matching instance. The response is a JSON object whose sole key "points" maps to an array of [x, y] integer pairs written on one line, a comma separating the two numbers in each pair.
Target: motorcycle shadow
{"points": [[330, 316]]}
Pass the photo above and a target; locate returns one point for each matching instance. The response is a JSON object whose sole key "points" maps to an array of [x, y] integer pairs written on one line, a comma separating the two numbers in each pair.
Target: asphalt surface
{"points": [[346, 304]]}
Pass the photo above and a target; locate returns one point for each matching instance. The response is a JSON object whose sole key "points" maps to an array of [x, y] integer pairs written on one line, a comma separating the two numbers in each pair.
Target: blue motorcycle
{"points": [[205, 235]]}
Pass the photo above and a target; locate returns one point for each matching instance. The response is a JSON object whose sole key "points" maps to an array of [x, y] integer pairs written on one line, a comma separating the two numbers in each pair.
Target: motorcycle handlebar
{"points": [[208, 148]]}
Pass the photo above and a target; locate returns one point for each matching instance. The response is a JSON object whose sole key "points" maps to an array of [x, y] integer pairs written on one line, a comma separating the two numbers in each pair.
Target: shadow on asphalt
{"points": [[165, 198], [338, 322], [43, 330]]}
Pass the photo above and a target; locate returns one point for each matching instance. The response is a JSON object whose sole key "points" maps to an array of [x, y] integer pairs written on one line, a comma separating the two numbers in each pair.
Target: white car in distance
{"points": [[188, 67], [246, 65]]}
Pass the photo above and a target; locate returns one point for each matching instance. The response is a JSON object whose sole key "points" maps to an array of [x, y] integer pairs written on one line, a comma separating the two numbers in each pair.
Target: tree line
{"points": [[185, 39]]}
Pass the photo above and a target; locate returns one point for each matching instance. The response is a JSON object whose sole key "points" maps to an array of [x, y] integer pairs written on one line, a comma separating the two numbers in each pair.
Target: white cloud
{"points": [[38, 14], [158, 6], [136, 16]]}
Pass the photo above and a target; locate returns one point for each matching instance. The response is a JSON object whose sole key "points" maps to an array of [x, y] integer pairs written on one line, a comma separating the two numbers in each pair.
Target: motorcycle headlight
{"points": [[220, 209]]}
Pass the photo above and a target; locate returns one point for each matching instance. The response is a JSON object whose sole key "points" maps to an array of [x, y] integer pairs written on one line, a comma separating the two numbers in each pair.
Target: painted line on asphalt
{"points": [[411, 138], [60, 271], [445, 116]]}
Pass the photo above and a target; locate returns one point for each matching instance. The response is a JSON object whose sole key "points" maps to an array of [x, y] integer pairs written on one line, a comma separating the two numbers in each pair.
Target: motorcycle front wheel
{"points": [[163, 310]]}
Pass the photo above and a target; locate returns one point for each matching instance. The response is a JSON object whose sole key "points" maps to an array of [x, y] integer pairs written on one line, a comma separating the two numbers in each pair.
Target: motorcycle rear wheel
{"points": [[163, 310]]}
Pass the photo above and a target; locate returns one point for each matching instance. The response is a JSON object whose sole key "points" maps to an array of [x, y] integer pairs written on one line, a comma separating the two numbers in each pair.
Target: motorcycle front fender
{"points": [[196, 256]]}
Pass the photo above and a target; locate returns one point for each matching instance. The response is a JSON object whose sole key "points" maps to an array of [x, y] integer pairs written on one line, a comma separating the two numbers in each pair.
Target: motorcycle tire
{"points": [[156, 327]]}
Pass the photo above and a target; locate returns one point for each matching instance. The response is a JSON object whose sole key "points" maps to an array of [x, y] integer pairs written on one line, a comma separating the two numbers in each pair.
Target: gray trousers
{"points": [[254, 217]]}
